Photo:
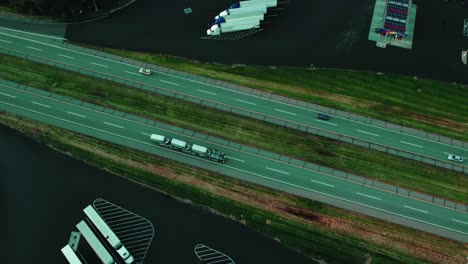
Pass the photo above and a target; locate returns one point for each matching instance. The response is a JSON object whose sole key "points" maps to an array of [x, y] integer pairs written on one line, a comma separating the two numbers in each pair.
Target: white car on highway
{"points": [[145, 71], [455, 158]]}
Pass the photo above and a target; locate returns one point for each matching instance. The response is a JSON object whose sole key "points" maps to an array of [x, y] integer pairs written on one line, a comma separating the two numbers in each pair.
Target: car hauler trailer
{"points": [[233, 26], [201, 151]]}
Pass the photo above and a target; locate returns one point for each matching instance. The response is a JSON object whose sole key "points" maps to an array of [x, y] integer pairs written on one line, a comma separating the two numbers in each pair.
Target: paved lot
{"points": [[326, 33]]}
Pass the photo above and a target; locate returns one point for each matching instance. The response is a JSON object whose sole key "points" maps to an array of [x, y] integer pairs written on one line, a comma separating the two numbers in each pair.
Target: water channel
{"points": [[43, 192]]}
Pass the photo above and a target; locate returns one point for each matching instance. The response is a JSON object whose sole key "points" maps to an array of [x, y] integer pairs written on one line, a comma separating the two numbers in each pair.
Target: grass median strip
{"points": [[317, 230], [428, 105], [327, 152]]}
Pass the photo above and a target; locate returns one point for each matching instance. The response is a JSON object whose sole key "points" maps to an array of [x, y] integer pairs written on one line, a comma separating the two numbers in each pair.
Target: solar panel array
{"points": [[396, 15]]}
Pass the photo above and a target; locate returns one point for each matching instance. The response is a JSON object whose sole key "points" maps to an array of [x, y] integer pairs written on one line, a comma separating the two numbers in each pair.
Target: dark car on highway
{"points": [[322, 116]]}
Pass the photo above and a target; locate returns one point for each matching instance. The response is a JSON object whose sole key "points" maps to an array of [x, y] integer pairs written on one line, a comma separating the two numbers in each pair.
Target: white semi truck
{"points": [[233, 26]]}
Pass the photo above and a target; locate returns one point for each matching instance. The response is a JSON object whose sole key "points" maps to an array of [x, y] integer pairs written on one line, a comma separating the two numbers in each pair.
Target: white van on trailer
{"points": [[176, 143], [200, 150], [162, 140]]}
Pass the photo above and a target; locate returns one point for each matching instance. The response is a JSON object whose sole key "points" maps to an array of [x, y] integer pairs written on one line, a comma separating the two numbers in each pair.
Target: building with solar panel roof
{"points": [[393, 23]]}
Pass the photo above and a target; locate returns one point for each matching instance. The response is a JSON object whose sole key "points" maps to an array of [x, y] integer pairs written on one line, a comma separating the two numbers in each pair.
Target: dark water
{"points": [[42, 194], [326, 33]]}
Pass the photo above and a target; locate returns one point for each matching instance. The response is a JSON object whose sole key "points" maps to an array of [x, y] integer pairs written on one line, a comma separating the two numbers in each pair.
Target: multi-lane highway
{"points": [[270, 172], [45, 48]]}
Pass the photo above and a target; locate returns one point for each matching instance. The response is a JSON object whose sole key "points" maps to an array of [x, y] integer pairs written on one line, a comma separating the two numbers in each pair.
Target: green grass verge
{"points": [[424, 104], [347, 157], [313, 240]]}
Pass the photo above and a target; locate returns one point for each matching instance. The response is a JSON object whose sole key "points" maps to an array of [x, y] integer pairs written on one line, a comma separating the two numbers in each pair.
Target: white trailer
{"points": [[94, 243], [257, 16], [268, 3], [108, 234], [70, 255], [257, 9]]}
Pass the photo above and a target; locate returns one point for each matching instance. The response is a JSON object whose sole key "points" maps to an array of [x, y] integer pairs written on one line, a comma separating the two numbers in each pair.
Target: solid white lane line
{"points": [[101, 65], [134, 73], [146, 134], [169, 82], [404, 142], [416, 209], [65, 56], [75, 114], [110, 124], [245, 102], [286, 112], [459, 221], [12, 96], [29, 33], [368, 133], [268, 168], [203, 91], [40, 104], [373, 197], [29, 47], [333, 124], [235, 159], [6, 41], [326, 184]]}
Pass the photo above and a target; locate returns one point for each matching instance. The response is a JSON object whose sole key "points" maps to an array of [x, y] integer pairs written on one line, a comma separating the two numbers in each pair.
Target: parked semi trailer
{"points": [[201, 151], [268, 3], [233, 26], [243, 12], [220, 20], [243, 15]]}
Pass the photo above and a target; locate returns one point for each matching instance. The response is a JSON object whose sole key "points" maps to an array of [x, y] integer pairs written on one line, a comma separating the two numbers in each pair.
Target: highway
{"points": [[270, 172], [47, 48]]}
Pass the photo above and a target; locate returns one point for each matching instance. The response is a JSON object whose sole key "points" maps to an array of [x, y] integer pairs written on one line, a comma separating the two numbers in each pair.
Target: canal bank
{"points": [[43, 193]]}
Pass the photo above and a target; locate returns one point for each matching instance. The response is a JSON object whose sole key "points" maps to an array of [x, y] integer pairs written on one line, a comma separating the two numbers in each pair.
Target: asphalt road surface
{"points": [[46, 48], [326, 33], [271, 172]]}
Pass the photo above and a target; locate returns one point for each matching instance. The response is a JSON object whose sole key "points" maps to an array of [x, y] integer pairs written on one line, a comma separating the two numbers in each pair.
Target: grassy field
{"points": [[317, 230], [428, 105], [392, 169]]}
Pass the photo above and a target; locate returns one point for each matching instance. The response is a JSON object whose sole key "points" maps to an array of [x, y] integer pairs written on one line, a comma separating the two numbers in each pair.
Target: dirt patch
{"points": [[440, 122]]}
